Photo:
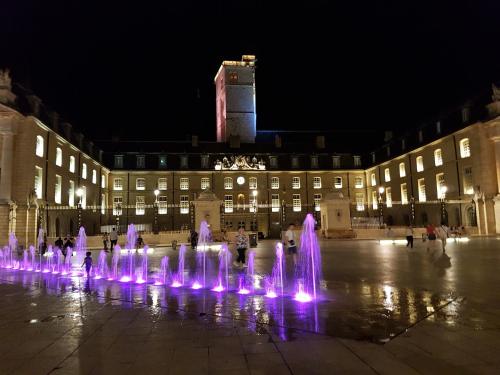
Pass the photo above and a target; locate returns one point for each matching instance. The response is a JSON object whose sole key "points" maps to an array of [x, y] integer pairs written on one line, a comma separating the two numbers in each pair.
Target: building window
{"points": [[464, 148], [59, 156], [440, 186], [420, 163], [39, 146], [118, 161], [228, 203], [296, 203], [357, 160], [84, 171], [117, 205], [184, 162], [317, 182], [38, 182], [275, 183], [252, 183], [360, 202], [358, 182], [83, 198], [204, 161], [373, 179], [228, 183], [402, 170], [140, 161], [404, 194], [94, 176], [273, 162], [252, 203], [275, 202], [162, 205], [438, 157], [118, 183], [184, 183], [421, 190], [317, 201], [468, 181], [162, 161], [140, 206], [205, 183], [295, 182], [387, 175], [295, 162], [103, 204], [57, 190], [72, 164], [388, 197], [184, 204], [374, 200], [162, 183], [336, 161], [337, 182], [314, 161], [140, 184], [103, 181], [71, 194]]}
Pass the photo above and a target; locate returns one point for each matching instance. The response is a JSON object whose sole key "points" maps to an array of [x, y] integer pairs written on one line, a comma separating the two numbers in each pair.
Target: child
{"points": [[241, 248], [88, 263]]}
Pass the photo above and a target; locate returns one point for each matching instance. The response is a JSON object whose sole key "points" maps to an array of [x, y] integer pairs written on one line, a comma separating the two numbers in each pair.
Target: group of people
{"points": [[66, 245], [109, 240], [433, 233]]}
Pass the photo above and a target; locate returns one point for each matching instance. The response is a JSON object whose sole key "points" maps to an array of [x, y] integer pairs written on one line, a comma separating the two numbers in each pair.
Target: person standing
{"points": [[59, 243], [409, 236], [193, 238], [113, 237], [431, 236], [105, 241], [291, 243], [241, 247], [442, 232], [87, 262]]}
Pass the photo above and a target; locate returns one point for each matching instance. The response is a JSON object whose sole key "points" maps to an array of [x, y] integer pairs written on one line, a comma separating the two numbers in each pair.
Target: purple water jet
{"points": [[114, 263], [102, 266], [164, 272], [223, 274], [276, 281], [179, 277]]}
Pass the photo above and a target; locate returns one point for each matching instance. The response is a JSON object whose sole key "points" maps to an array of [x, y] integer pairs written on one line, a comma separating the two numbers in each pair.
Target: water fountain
{"points": [[102, 266], [2, 259], [40, 242], [48, 259], [114, 263], [309, 263], [242, 289], [25, 260], [128, 268], [32, 256], [67, 261], [142, 275], [276, 280], [12, 249], [81, 246], [251, 270], [179, 277], [223, 274], [164, 272], [201, 259], [6, 257], [57, 266]]}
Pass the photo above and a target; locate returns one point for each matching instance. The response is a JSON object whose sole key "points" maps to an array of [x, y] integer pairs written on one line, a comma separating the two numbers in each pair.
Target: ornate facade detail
{"points": [[236, 163]]}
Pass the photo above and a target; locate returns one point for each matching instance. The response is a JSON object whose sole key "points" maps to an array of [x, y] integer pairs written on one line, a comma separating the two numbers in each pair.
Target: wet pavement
{"points": [[383, 309]]}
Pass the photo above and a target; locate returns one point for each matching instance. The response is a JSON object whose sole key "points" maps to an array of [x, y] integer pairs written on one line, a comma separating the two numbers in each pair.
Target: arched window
{"points": [[39, 146], [464, 148], [228, 183], [438, 157]]}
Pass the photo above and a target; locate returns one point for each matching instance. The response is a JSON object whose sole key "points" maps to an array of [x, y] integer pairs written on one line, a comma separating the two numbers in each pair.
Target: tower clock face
{"points": [[240, 180]]}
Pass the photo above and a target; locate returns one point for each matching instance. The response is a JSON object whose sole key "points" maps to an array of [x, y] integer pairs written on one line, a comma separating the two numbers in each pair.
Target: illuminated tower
{"points": [[235, 100]]}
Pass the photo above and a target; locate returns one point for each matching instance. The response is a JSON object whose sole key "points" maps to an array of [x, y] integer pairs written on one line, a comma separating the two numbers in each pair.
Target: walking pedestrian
{"points": [[87, 262], [291, 244], [431, 236], [241, 247], [409, 236], [443, 232], [105, 239], [113, 237]]}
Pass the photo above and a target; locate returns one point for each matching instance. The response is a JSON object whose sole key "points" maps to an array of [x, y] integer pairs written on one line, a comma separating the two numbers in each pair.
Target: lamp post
{"points": [[79, 194], [255, 207], [381, 190], [444, 214], [412, 211], [155, 206]]}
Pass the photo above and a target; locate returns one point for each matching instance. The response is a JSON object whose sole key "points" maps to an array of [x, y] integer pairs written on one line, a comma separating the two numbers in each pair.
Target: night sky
{"points": [[146, 70]]}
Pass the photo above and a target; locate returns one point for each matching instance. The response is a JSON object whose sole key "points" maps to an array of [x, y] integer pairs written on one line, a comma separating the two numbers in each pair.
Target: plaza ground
{"points": [[384, 310]]}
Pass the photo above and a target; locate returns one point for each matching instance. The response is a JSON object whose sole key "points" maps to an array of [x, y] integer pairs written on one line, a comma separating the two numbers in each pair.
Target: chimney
{"points": [[320, 141], [90, 146], [388, 135], [79, 140], [234, 141], [277, 141], [35, 103], [54, 121], [67, 130], [194, 140], [100, 153]]}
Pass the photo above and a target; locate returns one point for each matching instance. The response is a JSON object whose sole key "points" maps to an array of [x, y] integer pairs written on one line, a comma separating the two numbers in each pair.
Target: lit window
{"points": [[38, 182], [118, 161], [387, 175], [296, 203], [117, 206], [337, 182], [275, 183], [420, 163], [360, 202], [317, 182], [295, 182], [94, 176], [468, 181], [314, 161], [140, 161], [402, 170], [184, 204], [162, 162], [162, 205], [140, 184], [84, 171], [464, 148], [83, 199], [71, 194], [72, 164], [421, 190], [373, 179], [184, 183], [205, 183], [404, 194], [358, 182], [228, 183], [438, 157], [57, 189], [275, 202], [252, 203], [103, 181], [103, 204], [374, 200], [39, 146], [357, 160], [388, 197], [59, 156], [252, 183], [140, 206], [162, 183], [336, 161], [118, 183], [317, 201], [228, 203], [440, 186]]}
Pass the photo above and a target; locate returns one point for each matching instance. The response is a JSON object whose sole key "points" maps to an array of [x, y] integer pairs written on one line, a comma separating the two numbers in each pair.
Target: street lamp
{"points": [[444, 214], [255, 206], [381, 190], [155, 206], [79, 194]]}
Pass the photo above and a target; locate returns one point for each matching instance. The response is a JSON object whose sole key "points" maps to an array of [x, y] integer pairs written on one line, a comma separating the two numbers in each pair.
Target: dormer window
{"points": [[295, 162], [314, 161], [118, 161], [336, 161], [273, 162], [184, 162], [162, 161], [140, 161]]}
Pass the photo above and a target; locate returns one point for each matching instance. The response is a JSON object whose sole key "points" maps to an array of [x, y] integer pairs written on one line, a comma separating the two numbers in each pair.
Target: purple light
{"points": [[243, 291], [140, 281], [218, 288], [46, 270], [196, 285], [271, 294], [97, 277], [176, 284], [158, 282], [110, 279], [125, 279], [303, 297]]}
